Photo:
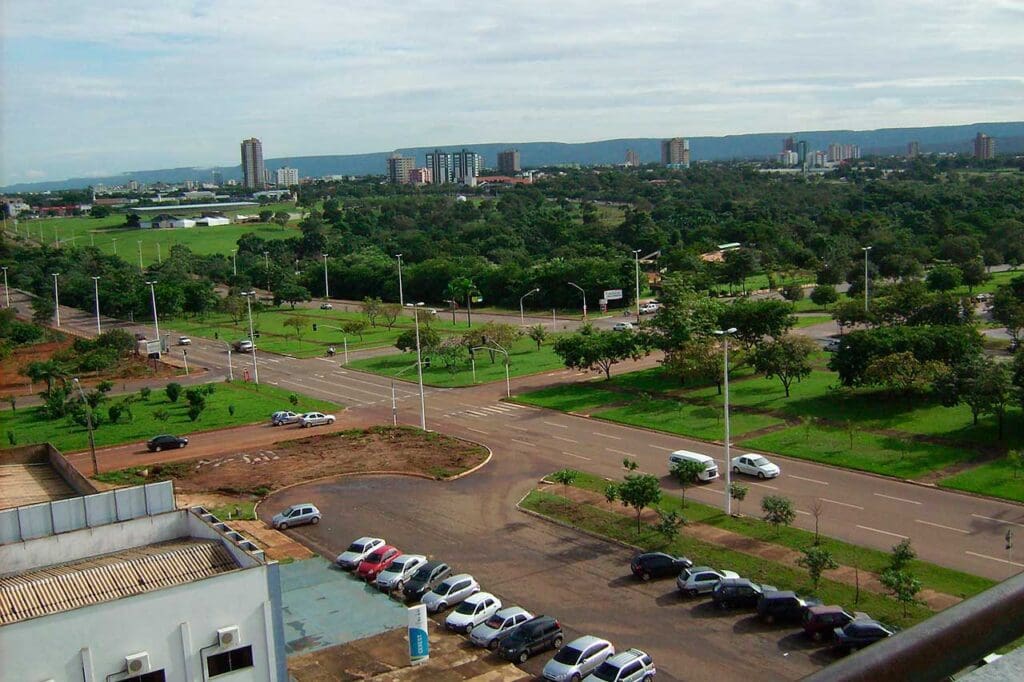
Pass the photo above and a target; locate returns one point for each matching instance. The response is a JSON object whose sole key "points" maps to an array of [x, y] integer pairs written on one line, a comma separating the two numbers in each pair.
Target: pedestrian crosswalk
{"points": [[492, 410]]}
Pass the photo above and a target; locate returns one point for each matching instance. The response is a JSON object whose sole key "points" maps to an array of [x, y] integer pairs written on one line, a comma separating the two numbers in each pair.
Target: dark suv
{"points": [[536, 634], [426, 578], [821, 621], [733, 593], [783, 606], [658, 565]]}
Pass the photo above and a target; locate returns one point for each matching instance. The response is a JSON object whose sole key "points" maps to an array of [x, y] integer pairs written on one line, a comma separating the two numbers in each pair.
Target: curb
{"points": [[563, 524]]}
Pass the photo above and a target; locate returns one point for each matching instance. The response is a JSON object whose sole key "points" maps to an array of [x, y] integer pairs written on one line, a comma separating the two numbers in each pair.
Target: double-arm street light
{"points": [[522, 317], [725, 334], [419, 363], [56, 298], [636, 259], [865, 249], [573, 284], [327, 288], [88, 422], [252, 338], [401, 292], [96, 296], [156, 319]]}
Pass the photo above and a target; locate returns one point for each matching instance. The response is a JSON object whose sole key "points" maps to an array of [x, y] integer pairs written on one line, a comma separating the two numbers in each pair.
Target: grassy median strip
{"points": [[623, 528]]}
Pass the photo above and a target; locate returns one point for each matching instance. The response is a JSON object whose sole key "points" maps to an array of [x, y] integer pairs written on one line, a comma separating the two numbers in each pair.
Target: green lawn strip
{"points": [[932, 576], [685, 419], [251, 403], [579, 397], [623, 528], [524, 358], [806, 305], [996, 479], [810, 320]]}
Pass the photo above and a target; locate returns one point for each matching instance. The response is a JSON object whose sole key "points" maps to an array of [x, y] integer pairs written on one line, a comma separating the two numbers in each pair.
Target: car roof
{"points": [[303, 504], [736, 582], [407, 557], [479, 596], [700, 569], [623, 657], [587, 641], [830, 608], [510, 611], [780, 594], [366, 539], [457, 577]]}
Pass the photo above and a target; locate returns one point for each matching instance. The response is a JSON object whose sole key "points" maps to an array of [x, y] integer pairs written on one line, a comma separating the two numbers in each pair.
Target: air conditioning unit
{"points": [[228, 636], [136, 664]]}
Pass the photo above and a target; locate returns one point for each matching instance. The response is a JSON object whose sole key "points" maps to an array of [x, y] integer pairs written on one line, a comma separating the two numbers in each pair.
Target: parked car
{"points": [[184, 341], [578, 658], [533, 636], [376, 561], [860, 632], [284, 417], [166, 441], [734, 593], [399, 571], [450, 591], [473, 611], [755, 465], [425, 579], [296, 515], [326, 306], [701, 580], [832, 344], [622, 327], [658, 565], [490, 632], [783, 606], [315, 419], [629, 666], [820, 622], [710, 468], [648, 308], [357, 551]]}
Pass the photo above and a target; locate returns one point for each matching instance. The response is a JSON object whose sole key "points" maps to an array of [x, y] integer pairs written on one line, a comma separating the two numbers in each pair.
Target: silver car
{"points": [[701, 580], [296, 515], [358, 551], [450, 592], [488, 633], [578, 658], [284, 417], [401, 569], [315, 419]]}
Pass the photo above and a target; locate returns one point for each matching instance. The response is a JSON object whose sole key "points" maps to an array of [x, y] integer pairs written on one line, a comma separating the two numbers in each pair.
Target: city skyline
{"points": [[100, 92]]}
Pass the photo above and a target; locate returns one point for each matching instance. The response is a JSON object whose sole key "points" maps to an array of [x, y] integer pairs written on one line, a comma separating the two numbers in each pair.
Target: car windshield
{"points": [[356, 547], [568, 655], [443, 588], [466, 608], [495, 622], [759, 461], [376, 557], [423, 573], [606, 671]]}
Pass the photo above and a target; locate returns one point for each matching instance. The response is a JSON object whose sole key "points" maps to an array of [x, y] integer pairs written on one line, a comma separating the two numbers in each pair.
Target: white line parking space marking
{"points": [[620, 452], [764, 485], [939, 525], [567, 440], [809, 480], [883, 532], [842, 504], [606, 435], [557, 426], [992, 558], [470, 428], [989, 518], [898, 499], [521, 442], [573, 454]]}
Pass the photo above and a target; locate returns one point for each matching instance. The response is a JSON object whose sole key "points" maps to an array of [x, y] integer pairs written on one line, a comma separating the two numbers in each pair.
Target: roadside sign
{"points": [[478, 299], [419, 641], [613, 295], [154, 347]]}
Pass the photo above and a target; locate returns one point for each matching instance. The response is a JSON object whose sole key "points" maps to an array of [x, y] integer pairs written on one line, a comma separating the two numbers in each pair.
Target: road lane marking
{"points": [[989, 518], [498, 408], [557, 426], [883, 532], [573, 454], [606, 435], [567, 440], [842, 504], [521, 442], [939, 525], [492, 410], [992, 558], [620, 452], [470, 428], [898, 499], [662, 447], [809, 480], [477, 414], [763, 485], [517, 428]]}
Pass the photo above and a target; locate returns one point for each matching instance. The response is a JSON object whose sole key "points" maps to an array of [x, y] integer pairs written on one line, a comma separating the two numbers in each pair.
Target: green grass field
{"points": [[251, 404], [811, 320], [998, 478]]}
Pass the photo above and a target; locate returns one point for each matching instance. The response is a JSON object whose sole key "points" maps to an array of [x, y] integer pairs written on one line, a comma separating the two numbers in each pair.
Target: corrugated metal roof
{"points": [[63, 587]]}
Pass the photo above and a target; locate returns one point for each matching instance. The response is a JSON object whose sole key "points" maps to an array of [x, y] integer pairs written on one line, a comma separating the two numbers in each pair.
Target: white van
{"points": [[710, 472]]}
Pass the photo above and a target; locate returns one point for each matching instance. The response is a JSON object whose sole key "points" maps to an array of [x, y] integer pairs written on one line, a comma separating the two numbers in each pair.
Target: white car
{"points": [[489, 633], [184, 341], [245, 346], [622, 327], [326, 306], [401, 569], [476, 609], [578, 658], [701, 580], [648, 308], [358, 551], [755, 465], [315, 419], [451, 591]]}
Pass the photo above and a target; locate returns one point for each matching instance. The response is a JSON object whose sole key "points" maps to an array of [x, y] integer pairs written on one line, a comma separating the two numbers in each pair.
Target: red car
{"points": [[370, 567]]}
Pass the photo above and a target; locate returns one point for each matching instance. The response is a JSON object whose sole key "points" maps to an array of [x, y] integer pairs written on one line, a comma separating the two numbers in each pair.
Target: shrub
{"points": [[231, 410], [11, 438], [793, 292], [824, 294], [145, 392], [194, 411], [173, 390], [293, 399], [161, 415]]}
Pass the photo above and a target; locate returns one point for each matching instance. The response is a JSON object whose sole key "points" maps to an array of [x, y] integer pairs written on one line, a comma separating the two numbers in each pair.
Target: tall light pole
{"points": [[231, 372], [56, 298], [636, 259], [159, 258], [725, 334], [865, 249], [7, 291], [266, 263], [156, 321], [573, 284], [114, 242], [419, 363], [88, 422], [401, 292], [96, 296], [234, 263], [141, 269], [327, 288], [252, 337], [522, 316]]}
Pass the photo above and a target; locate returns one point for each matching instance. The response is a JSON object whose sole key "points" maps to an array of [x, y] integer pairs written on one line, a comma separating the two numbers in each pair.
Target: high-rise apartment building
{"points": [[420, 176], [843, 152], [789, 144], [399, 167], [801, 154], [632, 159], [459, 166], [440, 165], [675, 153], [984, 146], [468, 165], [286, 177], [913, 149], [253, 171], [508, 162]]}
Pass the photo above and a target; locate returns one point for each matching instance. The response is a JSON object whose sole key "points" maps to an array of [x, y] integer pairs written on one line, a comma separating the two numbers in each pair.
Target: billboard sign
{"points": [[419, 640], [613, 295], [154, 348]]}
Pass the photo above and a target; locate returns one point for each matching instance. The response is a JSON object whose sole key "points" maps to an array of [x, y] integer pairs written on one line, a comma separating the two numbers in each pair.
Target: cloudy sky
{"points": [[100, 87]]}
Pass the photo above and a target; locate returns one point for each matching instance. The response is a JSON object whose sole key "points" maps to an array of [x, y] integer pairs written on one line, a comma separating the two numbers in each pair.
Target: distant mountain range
{"points": [[1009, 139]]}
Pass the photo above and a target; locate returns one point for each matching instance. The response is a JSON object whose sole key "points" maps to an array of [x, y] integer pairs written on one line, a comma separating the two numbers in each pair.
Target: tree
{"points": [[901, 373], [901, 556], [265, 216], [848, 313], [1015, 458], [43, 310], [611, 493], [173, 390], [145, 392], [943, 278], [817, 560], [291, 293], [778, 510], [195, 410], [297, 323], [281, 218], [234, 306], [973, 273], [372, 309], [684, 314], [429, 338], [755, 319], [739, 264], [538, 333], [903, 585], [390, 312], [686, 471], [1007, 310], [99, 211], [451, 352], [983, 384], [669, 523], [824, 294], [357, 327], [639, 491], [739, 493], [698, 361], [948, 345], [599, 350], [787, 358], [793, 292], [817, 509], [566, 477], [48, 371]]}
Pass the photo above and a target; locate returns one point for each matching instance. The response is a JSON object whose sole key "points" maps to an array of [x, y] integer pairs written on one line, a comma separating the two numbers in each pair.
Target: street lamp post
{"points": [[573, 284], [394, 401], [234, 263], [114, 242], [327, 288], [184, 356], [159, 258], [725, 334], [472, 360], [88, 422], [231, 372], [401, 291], [865, 249], [522, 316], [7, 291], [96, 296], [419, 363], [56, 298], [156, 320], [141, 269], [636, 259], [252, 338]]}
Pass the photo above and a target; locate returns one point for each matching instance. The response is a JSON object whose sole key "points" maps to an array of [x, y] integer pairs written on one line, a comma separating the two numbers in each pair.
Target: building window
{"points": [[236, 659], [155, 676]]}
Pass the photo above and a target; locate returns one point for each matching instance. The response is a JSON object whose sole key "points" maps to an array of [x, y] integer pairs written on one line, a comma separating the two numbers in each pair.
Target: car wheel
{"points": [[853, 649], [283, 525], [648, 678], [692, 593], [575, 678], [493, 645], [441, 606], [557, 642], [645, 576], [816, 636], [735, 470], [769, 618], [315, 520], [524, 657], [158, 448], [760, 474]]}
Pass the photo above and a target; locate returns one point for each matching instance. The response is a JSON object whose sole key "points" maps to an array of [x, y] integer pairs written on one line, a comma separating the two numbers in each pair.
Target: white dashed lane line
{"points": [[842, 504], [898, 499], [567, 440], [939, 525], [521, 442], [992, 558], [557, 426], [573, 454], [470, 428], [809, 480], [994, 520], [620, 452], [883, 532], [606, 435]]}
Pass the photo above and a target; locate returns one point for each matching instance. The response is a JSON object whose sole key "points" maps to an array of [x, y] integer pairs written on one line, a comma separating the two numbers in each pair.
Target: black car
{"points": [[165, 442], [658, 565], [783, 606], [735, 593], [536, 634], [861, 632], [426, 578]]}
